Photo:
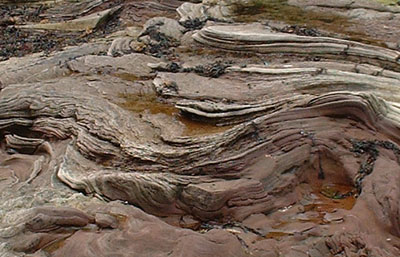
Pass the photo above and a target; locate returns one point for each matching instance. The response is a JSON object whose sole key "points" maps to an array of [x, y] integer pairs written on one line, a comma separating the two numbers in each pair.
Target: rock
{"points": [[333, 217], [202, 12], [353, 14], [250, 141], [120, 46], [46, 218], [346, 242], [66, 10], [133, 64], [189, 11], [319, 249], [6, 21], [24, 1], [161, 25], [259, 39], [104, 220], [142, 234], [124, 41], [383, 187], [189, 222], [360, 4], [129, 32], [38, 67], [23, 144], [85, 23], [160, 35]]}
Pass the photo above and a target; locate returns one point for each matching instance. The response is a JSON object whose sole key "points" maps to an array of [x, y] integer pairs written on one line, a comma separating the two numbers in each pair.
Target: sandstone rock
{"points": [[120, 46], [261, 150], [134, 64], [165, 26], [262, 40], [140, 233], [106, 221], [202, 12], [89, 22], [38, 67]]}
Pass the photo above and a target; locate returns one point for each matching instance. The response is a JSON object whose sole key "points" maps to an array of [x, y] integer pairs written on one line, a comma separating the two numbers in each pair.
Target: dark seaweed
{"points": [[213, 70], [196, 23], [15, 42], [370, 149], [300, 30], [160, 44]]}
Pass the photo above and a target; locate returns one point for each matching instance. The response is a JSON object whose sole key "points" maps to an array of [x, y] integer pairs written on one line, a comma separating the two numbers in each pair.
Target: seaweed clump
{"points": [[193, 24], [370, 149], [212, 70], [300, 30], [197, 23], [159, 43]]}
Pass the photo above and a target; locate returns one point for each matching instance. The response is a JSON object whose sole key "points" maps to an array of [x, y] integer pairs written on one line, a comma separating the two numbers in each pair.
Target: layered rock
{"points": [[290, 147], [62, 231], [254, 37], [85, 23]]}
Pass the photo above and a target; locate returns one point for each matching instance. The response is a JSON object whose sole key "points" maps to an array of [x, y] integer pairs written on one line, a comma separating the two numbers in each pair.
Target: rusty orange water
{"points": [[131, 77], [53, 246], [149, 102], [276, 235], [329, 197]]}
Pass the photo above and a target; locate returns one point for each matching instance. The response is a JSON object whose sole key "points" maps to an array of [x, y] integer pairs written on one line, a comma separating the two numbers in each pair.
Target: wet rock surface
{"points": [[213, 128]]}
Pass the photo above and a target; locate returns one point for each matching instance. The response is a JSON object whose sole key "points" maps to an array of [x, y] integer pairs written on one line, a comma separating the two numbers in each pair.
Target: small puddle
{"points": [[332, 196], [321, 199], [193, 128], [120, 218], [131, 77], [280, 10], [53, 246], [276, 235], [139, 103], [149, 102], [185, 221]]}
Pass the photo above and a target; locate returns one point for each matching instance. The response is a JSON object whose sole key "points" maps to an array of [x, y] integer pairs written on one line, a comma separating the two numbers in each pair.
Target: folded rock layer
{"points": [[264, 143]]}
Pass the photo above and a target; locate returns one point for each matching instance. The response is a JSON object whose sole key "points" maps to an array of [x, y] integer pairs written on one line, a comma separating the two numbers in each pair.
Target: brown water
{"points": [[331, 197], [131, 77], [276, 235], [56, 244], [324, 202], [335, 191], [149, 102]]}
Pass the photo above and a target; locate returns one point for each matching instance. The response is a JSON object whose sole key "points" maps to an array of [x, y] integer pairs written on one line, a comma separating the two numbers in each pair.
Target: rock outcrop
{"points": [[202, 138]]}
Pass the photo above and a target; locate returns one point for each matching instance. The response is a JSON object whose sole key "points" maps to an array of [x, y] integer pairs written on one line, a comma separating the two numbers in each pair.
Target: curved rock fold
{"points": [[252, 142]]}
